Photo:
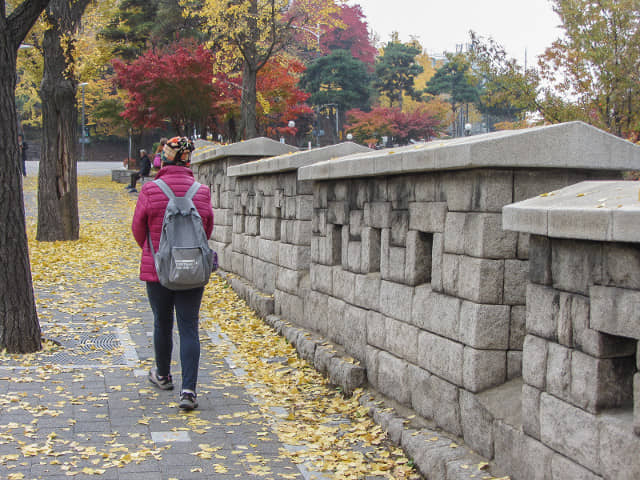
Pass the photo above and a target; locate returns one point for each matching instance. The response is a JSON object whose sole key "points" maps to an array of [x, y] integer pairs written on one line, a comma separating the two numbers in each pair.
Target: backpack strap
{"points": [[166, 189], [193, 189]]}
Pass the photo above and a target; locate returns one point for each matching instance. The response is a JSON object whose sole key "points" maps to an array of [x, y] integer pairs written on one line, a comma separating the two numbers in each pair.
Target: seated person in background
{"points": [[145, 168]]}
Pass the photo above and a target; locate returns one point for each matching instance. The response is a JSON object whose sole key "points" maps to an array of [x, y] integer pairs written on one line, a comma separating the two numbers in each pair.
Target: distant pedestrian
{"points": [[22, 146], [147, 224], [145, 169], [157, 157]]}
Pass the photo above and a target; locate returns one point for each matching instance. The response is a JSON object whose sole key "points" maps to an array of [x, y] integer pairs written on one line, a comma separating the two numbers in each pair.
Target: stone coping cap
{"points": [[256, 147], [295, 160], [565, 145], [602, 211]]}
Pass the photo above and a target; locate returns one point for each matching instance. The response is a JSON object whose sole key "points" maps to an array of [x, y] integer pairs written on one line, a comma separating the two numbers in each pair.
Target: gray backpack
{"points": [[184, 259]]}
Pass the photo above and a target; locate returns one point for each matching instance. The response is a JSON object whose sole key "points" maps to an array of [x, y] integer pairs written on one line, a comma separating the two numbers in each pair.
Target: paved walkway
{"points": [[83, 408]]}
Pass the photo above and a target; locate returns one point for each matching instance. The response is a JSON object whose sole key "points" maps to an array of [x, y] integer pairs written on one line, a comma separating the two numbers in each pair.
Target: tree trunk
{"points": [[249, 99], [57, 183], [19, 327]]}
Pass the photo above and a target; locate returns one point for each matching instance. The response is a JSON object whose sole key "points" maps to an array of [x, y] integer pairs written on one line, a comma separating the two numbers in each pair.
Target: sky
{"points": [[517, 25]]}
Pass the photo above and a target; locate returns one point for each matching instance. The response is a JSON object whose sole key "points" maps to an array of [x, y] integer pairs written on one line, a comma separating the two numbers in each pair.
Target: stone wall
{"points": [[399, 258], [581, 382]]}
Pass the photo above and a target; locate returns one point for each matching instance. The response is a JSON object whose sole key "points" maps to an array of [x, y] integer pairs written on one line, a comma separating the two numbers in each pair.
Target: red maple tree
{"points": [[354, 37], [400, 127], [175, 84]]}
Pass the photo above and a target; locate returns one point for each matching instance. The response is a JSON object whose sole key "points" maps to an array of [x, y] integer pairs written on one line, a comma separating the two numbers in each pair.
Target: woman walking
{"points": [[147, 224]]}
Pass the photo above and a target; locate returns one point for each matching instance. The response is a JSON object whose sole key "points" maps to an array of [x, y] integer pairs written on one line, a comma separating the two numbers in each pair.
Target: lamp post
{"points": [[83, 134]]}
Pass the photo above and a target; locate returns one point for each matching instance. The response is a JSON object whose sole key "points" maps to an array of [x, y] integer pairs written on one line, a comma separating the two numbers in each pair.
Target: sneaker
{"points": [[133, 190], [164, 383], [188, 400], [128, 187]]}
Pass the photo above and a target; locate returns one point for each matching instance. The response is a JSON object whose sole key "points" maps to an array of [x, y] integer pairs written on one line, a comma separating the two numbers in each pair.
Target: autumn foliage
{"points": [[422, 123], [175, 85]]}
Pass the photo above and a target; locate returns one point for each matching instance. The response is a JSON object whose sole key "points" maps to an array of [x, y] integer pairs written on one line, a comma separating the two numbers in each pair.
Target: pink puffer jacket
{"points": [[150, 208]]}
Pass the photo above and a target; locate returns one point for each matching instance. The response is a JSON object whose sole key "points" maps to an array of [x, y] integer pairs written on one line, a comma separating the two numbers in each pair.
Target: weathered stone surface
{"points": [[570, 431], [395, 300], [401, 192], [515, 281], [619, 448], [378, 214], [531, 411], [454, 232], [441, 356], [370, 261], [576, 265], [402, 339], [304, 207], [481, 280], [356, 222], [315, 311], [222, 233], [289, 307], [371, 363], [592, 342], [559, 372], [484, 326], [270, 228], [427, 216], [290, 281], [534, 368], [393, 378], [562, 469], [353, 335], [394, 267], [338, 213], [335, 318], [399, 227], [377, 333], [353, 256], [522, 250], [367, 291], [321, 278], [483, 369], [346, 375], [601, 383], [477, 424], [636, 404], [486, 190], [535, 460], [264, 275], [344, 283], [418, 258], [517, 329], [621, 265], [425, 188], [540, 260], [436, 262], [450, 273], [295, 257], [421, 395], [514, 364], [297, 232], [615, 311], [436, 312], [485, 238], [542, 309], [268, 250], [507, 448]]}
